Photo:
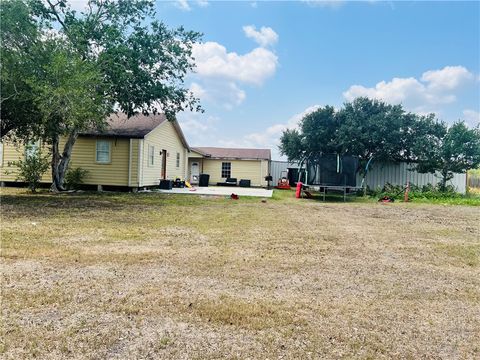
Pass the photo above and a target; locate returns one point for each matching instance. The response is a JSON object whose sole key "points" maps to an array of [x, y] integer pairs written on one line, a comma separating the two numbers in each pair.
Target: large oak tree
{"points": [[113, 56]]}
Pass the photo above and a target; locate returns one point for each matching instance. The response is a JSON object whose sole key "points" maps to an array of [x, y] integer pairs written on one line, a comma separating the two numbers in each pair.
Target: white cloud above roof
{"points": [[434, 87], [220, 75], [214, 61], [264, 37], [471, 117]]}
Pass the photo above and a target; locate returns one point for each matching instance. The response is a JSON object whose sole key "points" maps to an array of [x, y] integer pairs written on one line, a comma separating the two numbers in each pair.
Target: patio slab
{"points": [[220, 191]]}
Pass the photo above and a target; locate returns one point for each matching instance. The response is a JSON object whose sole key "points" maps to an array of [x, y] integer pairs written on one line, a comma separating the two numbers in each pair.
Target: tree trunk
{"points": [[60, 161], [364, 181], [445, 177]]}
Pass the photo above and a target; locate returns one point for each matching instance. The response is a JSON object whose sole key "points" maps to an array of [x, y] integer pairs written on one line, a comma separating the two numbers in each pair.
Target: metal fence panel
{"points": [[381, 173], [277, 167], [399, 173]]}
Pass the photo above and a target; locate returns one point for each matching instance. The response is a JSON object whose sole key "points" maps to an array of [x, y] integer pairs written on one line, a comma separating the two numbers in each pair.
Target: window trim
{"points": [[229, 169], [34, 145], [177, 160], [151, 156], [109, 161]]}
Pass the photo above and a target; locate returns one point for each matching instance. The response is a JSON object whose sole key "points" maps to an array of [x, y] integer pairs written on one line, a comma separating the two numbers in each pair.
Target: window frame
{"points": [[177, 160], [109, 161], [224, 169], [31, 147], [151, 156]]}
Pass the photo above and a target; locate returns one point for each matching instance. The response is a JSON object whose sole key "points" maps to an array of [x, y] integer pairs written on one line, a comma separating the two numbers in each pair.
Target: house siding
{"points": [[15, 152], [134, 161], [114, 173], [163, 137], [253, 170]]}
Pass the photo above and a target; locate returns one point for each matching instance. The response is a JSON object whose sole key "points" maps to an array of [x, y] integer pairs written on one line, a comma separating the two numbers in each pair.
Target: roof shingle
{"points": [[234, 153], [136, 127]]}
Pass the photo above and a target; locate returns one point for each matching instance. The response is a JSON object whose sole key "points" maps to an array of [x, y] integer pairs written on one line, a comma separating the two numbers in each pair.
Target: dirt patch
{"points": [[287, 279]]}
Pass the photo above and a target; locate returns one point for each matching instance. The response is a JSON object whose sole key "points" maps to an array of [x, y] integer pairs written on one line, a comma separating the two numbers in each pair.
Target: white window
{"points": [[31, 148], [178, 160], [151, 155], [103, 155], [226, 169]]}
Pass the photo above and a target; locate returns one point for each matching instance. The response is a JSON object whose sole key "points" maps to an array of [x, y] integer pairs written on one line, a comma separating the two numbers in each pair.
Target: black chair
{"points": [[231, 181], [244, 183], [228, 182]]}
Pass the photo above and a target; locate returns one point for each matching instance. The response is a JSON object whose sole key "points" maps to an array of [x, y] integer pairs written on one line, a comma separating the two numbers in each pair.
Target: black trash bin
{"points": [[204, 179], [166, 184]]}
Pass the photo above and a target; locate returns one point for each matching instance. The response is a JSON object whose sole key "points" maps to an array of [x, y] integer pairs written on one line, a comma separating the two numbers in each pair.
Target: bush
{"points": [[74, 178], [32, 167], [428, 191]]}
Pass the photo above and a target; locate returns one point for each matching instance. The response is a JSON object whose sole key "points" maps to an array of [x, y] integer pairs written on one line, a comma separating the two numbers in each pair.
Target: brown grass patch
{"points": [[151, 276]]}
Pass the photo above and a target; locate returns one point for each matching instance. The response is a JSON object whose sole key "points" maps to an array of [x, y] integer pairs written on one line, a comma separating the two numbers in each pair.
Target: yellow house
{"points": [[223, 163], [140, 151], [134, 153]]}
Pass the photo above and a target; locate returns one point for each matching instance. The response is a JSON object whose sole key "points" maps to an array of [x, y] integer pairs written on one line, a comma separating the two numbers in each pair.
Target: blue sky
{"points": [[263, 64]]}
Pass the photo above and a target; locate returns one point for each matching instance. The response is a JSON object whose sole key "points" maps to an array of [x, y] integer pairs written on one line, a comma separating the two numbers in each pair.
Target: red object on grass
{"points": [[234, 196], [298, 193]]}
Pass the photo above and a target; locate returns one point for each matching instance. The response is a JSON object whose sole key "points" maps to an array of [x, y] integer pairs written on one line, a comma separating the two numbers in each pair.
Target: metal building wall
{"points": [[398, 174], [276, 168]]}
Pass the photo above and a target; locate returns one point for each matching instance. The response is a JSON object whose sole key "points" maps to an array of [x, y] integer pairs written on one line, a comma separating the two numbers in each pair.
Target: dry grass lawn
{"points": [[129, 276]]}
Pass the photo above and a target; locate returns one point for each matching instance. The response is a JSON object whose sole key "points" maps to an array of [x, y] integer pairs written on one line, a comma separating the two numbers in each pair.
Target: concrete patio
{"points": [[221, 191]]}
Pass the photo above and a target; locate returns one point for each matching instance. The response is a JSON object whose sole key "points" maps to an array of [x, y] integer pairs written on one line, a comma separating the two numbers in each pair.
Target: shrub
{"points": [[32, 167], [74, 178], [428, 191]]}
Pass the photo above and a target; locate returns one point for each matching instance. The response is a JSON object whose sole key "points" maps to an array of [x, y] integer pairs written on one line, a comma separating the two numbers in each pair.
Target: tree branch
{"points": [[55, 12]]}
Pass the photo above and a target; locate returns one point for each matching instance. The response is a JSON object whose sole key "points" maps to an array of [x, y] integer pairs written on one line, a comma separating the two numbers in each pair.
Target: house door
{"points": [[194, 173], [164, 164]]}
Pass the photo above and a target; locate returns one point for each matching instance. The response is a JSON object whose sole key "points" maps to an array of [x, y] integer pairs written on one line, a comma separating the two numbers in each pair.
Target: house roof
{"points": [[234, 153], [137, 126]]}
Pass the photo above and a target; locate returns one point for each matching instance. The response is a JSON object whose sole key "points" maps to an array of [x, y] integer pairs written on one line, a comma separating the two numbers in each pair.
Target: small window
{"points": [[31, 148], [103, 155], [151, 155], [178, 160], [226, 169]]}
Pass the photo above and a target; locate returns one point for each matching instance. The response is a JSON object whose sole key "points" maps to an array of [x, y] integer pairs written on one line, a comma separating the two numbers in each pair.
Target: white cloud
{"points": [[270, 138], [183, 5], [219, 74], [225, 94], [471, 117], [254, 4], [448, 78], [197, 90], [434, 87], [213, 61], [199, 128], [203, 3], [334, 4], [265, 37]]}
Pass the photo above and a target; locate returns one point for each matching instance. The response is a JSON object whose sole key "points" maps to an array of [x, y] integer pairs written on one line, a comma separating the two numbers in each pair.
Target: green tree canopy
{"points": [[448, 150], [319, 124], [20, 35], [114, 56], [371, 129]]}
